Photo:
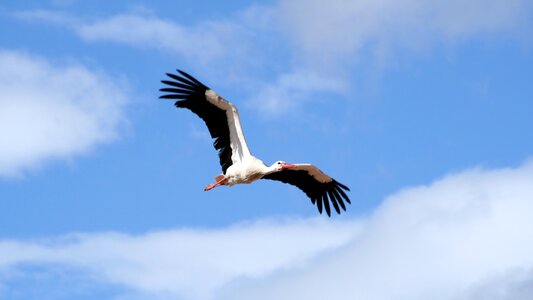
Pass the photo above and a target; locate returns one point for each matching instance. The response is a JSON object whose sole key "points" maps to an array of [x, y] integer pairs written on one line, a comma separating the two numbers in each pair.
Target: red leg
{"points": [[214, 185]]}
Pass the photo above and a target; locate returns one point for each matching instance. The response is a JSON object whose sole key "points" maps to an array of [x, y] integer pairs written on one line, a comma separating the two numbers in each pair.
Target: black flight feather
{"points": [[191, 95], [317, 191]]}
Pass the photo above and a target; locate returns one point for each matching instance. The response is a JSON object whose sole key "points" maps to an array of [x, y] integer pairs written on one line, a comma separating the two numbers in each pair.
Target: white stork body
{"points": [[238, 164], [245, 167], [246, 171]]}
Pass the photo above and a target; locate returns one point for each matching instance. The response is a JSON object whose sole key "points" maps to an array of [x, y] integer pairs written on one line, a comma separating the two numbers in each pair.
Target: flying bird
{"points": [[238, 164]]}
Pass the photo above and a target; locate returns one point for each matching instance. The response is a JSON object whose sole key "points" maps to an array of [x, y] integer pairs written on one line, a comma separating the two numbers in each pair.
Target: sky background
{"points": [[422, 108]]}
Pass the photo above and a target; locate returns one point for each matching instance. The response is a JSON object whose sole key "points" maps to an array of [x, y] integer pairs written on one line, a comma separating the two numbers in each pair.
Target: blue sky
{"points": [[422, 109]]}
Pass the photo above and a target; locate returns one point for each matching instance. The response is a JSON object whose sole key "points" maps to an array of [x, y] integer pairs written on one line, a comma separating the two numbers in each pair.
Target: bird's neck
{"points": [[269, 170], [258, 167]]}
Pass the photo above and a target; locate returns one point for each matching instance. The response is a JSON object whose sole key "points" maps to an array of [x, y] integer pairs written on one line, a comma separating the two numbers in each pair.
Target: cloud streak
{"points": [[323, 42], [205, 43], [340, 30], [464, 236], [202, 44], [53, 112], [293, 90]]}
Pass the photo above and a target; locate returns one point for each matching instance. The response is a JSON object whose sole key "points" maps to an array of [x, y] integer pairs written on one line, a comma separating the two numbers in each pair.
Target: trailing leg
{"points": [[214, 185]]}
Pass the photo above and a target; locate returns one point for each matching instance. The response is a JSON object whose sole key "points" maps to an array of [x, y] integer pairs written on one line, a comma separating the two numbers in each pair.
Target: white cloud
{"points": [[187, 262], [466, 236], [331, 39], [294, 89], [448, 240], [335, 33], [53, 112]]}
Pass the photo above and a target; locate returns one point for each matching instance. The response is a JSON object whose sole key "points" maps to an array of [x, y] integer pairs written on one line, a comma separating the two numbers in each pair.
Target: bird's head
{"points": [[281, 165]]}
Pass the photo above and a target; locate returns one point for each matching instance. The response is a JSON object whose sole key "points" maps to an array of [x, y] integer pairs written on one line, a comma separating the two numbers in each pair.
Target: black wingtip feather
{"points": [[192, 78], [326, 204], [189, 83], [334, 201], [172, 96], [343, 194], [175, 90], [342, 185], [182, 86], [339, 198]]}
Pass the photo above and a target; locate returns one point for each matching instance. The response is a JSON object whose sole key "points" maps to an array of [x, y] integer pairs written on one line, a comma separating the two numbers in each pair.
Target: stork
{"points": [[238, 164]]}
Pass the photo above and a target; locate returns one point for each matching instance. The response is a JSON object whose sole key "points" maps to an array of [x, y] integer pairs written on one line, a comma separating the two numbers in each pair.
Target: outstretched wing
{"points": [[318, 186], [220, 116]]}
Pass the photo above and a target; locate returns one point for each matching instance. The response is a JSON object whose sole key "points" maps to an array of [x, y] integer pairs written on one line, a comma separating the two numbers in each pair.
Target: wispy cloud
{"points": [[47, 16], [333, 39], [335, 33], [466, 236], [53, 112], [319, 43], [204, 43], [294, 89]]}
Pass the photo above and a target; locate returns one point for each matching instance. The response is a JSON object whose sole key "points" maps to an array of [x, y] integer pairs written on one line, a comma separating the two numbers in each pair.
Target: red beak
{"points": [[287, 166]]}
